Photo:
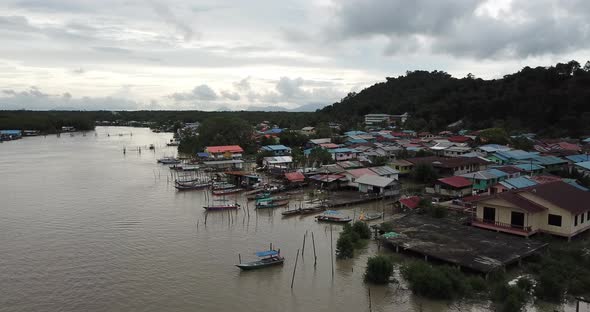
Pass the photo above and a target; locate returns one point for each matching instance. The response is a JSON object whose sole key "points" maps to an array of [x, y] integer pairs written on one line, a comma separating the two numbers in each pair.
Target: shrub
{"points": [[362, 229], [508, 298], [436, 283], [385, 227], [550, 286], [379, 269], [525, 284], [477, 284], [344, 247]]}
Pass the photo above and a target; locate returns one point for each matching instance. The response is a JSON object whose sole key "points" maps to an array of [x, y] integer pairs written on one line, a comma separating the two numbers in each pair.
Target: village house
{"points": [[556, 208], [483, 180], [353, 174], [583, 167], [378, 186], [492, 148], [386, 171], [377, 119], [343, 153], [453, 165], [411, 202], [511, 184], [403, 166], [512, 156], [277, 162], [276, 150], [224, 152], [451, 187]]}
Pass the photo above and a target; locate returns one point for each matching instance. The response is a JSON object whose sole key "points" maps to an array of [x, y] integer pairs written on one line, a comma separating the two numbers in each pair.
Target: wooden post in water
{"points": [[294, 268], [331, 251], [315, 258], [370, 307], [240, 258], [303, 248]]}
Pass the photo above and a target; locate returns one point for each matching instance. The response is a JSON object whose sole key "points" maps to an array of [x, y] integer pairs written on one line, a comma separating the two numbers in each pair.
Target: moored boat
{"points": [[191, 186], [293, 212], [221, 192], [168, 161], [259, 196], [222, 206], [333, 216], [267, 258], [271, 204]]}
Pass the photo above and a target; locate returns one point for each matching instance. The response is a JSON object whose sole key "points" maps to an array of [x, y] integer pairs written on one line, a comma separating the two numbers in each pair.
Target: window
{"points": [[554, 220], [576, 221]]}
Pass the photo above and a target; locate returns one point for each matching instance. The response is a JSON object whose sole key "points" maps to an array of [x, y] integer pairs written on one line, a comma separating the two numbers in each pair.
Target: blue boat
{"points": [[267, 258]]}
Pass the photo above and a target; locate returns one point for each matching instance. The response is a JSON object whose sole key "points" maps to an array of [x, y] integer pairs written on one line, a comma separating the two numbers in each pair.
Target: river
{"points": [[85, 227]]}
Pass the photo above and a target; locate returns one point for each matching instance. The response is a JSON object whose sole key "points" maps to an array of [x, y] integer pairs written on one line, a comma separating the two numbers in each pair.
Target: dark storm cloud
{"points": [[526, 28]]}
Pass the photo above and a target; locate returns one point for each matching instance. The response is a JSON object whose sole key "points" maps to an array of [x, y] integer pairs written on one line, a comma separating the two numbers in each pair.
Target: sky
{"points": [[265, 54]]}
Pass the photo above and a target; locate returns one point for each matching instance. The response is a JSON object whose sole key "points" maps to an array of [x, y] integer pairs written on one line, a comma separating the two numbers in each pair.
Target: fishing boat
{"points": [[270, 203], [259, 196], [222, 206], [184, 186], [370, 216], [223, 186], [333, 216], [184, 167], [311, 210], [293, 212], [221, 192], [173, 142], [267, 258], [168, 161], [152, 147]]}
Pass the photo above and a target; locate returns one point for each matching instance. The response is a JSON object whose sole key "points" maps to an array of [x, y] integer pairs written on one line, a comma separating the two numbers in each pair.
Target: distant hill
{"points": [[550, 100]]}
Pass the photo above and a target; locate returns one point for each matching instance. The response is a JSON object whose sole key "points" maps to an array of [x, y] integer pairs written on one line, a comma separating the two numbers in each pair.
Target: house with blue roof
{"points": [[344, 153], [483, 180], [492, 148], [276, 150], [530, 168], [587, 140], [511, 184], [550, 162], [578, 158], [512, 156], [354, 133], [583, 167]]}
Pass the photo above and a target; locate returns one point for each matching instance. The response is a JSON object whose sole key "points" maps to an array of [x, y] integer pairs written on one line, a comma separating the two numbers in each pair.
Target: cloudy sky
{"points": [[265, 54]]}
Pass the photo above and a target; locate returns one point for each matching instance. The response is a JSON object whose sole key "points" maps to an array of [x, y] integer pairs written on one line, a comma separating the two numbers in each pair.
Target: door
{"points": [[489, 214], [517, 220]]}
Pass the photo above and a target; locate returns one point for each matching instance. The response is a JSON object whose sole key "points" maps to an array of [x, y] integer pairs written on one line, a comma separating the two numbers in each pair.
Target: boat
{"points": [[222, 186], [196, 185], [168, 161], [293, 212], [370, 216], [270, 203], [333, 216], [184, 167], [259, 196], [152, 147], [227, 191], [222, 206], [311, 210], [267, 258]]}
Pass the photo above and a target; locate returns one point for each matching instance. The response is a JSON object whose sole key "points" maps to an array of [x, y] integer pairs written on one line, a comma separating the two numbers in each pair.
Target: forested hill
{"points": [[550, 100]]}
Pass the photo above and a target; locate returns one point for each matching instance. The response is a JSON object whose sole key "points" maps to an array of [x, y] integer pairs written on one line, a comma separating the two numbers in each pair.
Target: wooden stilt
{"points": [[294, 268]]}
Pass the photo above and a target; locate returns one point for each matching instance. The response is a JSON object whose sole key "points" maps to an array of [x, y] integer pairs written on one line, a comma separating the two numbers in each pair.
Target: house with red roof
{"points": [[225, 151], [556, 208], [411, 202], [452, 187]]}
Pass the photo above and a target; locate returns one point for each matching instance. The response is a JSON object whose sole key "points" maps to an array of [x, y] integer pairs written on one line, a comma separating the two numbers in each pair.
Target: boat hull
{"points": [[259, 264]]}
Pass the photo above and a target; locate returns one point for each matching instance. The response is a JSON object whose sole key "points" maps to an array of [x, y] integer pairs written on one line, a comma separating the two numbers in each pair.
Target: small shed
{"points": [[376, 185]]}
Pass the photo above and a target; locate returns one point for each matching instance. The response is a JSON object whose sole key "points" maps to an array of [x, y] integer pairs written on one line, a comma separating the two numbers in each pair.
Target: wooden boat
{"points": [[292, 212], [311, 210], [223, 186], [370, 216], [152, 147], [267, 258], [259, 196], [333, 216], [222, 206], [168, 161], [221, 192], [191, 186], [271, 204]]}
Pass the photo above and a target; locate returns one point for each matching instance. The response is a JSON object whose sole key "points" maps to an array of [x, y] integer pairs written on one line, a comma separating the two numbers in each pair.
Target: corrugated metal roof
{"points": [[585, 165], [516, 183], [456, 181], [384, 170], [278, 159], [275, 148], [375, 180], [579, 157]]}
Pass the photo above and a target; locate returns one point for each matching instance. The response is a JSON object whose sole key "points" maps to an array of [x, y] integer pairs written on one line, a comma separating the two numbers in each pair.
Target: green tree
{"points": [[320, 156], [494, 136], [344, 247], [362, 229], [379, 269], [424, 173]]}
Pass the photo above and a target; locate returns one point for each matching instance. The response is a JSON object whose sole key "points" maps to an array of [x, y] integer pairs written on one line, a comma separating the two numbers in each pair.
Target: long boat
{"points": [[259, 196], [292, 212], [222, 206], [222, 192], [311, 210], [267, 258], [271, 204], [333, 216], [191, 186], [223, 185], [168, 161]]}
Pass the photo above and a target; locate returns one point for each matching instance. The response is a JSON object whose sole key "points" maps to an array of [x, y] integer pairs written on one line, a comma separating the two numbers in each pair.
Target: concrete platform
{"points": [[466, 246]]}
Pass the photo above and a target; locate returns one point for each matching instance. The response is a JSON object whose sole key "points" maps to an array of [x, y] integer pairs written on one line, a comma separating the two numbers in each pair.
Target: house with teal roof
{"points": [[483, 180]]}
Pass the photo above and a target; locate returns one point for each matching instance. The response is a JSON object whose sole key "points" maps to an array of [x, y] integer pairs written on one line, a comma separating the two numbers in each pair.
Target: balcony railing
{"points": [[502, 225]]}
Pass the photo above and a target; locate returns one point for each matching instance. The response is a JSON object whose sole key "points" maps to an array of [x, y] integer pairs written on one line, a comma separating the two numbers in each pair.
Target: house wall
{"points": [[504, 213], [567, 218], [344, 156]]}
